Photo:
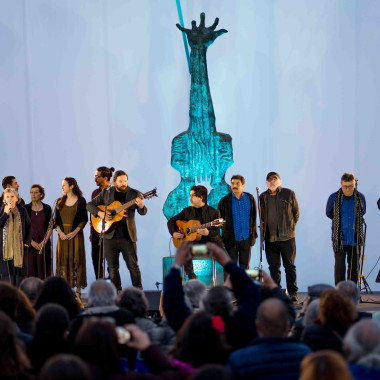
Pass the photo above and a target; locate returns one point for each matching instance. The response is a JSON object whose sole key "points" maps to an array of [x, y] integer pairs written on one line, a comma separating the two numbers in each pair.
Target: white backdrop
{"points": [[87, 83]]}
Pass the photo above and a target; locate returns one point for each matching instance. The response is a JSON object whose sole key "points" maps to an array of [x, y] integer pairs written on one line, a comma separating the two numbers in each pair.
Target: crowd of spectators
{"points": [[242, 330]]}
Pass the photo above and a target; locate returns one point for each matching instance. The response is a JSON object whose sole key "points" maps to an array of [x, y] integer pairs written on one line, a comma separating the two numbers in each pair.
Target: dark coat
{"points": [[228, 233], [27, 238], [47, 212], [288, 212], [240, 326], [268, 358], [208, 215], [130, 220], [80, 217]]}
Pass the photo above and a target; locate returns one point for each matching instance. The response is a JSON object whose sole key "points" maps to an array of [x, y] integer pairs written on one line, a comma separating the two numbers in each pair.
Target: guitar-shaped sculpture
{"points": [[190, 227], [118, 211]]}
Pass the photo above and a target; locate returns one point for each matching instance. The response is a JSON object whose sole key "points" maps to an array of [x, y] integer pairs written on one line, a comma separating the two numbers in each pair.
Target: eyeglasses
{"points": [[272, 179], [348, 187]]}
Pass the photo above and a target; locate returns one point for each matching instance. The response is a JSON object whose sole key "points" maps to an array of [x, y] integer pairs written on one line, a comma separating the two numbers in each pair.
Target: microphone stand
{"points": [[102, 234], [261, 229], [46, 237]]}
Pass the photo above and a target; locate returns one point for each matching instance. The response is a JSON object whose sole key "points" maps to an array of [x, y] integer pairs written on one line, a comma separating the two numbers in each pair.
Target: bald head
{"points": [[272, 319]]}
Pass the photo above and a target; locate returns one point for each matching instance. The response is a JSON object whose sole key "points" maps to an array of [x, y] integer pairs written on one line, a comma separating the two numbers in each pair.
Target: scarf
{"points": [[358, 220], [13, 247]]}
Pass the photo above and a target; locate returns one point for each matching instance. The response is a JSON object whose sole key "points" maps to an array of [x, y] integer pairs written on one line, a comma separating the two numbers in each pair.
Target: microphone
{"points": [[10, 204], [257, 188]]}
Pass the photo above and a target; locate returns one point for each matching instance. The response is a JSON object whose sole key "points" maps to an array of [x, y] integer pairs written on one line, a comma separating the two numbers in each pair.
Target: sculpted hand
{"points": [[183, 253], [202, 35]]}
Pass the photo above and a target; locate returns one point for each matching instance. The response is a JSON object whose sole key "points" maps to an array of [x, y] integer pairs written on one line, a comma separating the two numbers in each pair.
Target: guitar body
{"points": [[183, 225], [97, 222], [120, 209]]}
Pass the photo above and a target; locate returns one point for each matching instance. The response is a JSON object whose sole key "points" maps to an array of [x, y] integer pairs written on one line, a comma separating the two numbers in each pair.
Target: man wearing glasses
{"points": [[280, 214], [346, 208], [199, 210]]}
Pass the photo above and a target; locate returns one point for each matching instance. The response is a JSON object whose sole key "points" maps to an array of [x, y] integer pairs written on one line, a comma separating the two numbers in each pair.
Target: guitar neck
{"points": [[125, 206], [196, 228]]}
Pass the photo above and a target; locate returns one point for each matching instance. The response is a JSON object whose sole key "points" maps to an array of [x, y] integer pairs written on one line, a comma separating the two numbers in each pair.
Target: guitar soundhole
{"points": [[187, 231]]}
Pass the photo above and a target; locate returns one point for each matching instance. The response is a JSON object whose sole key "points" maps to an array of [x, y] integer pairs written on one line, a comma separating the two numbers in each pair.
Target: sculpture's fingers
{"points": [[182, 29], [202, 24], [214, 25]]}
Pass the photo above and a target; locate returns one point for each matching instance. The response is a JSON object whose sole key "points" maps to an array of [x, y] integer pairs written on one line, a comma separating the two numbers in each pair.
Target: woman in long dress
{"points": [[15, 237], [70, 221], [39, 265]]}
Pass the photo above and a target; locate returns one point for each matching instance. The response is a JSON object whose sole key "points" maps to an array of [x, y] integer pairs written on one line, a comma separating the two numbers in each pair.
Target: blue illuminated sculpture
{"points": [[200, 153]]}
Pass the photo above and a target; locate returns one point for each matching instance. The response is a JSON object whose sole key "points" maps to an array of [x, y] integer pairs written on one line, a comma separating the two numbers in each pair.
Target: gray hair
{"points": [[350, 290], [31, 286], [102, 293], [217, 301], [362, 343], [135, 301], [11, 190], [194, 291], [311, 313]]}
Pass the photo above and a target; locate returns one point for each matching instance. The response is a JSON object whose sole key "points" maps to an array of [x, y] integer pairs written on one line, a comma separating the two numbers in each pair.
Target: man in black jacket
{"points": [[280, 214], [123, 238], [199, 210], [239, 234]]}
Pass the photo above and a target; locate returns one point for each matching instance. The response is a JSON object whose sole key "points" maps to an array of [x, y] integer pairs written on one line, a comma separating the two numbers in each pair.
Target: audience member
{"points": [[16, 305], [96, 344], [101, 303], [13, 362], [200, 341], [65, 367], [273, 355], [31, 287], [362, 348], [57, 290], [135, 301], [351, 290], [52, 322], [324, 365], [240, 327], [211, 372], [336, 315], [194, 292]]}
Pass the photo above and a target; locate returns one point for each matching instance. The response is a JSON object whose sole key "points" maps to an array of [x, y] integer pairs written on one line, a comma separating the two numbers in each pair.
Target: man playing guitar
{"points": [[122, 238], [201, 211]]}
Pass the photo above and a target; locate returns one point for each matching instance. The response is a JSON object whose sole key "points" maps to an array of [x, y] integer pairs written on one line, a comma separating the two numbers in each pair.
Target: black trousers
{"points": [[112, 249], [349, 252], [240, 253], [95, 252], [285, 250]]}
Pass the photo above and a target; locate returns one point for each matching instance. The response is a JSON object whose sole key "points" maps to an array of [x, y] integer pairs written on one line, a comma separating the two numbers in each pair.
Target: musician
{"points": [[15, 238], [102, 179], [280, 214], [239, 233], [123, 237], [346, 208], [199, 210], [10, 182]]}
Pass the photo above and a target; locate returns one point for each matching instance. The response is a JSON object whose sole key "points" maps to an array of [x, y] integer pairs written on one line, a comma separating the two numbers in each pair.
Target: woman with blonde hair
{"points": [[15, 237]]}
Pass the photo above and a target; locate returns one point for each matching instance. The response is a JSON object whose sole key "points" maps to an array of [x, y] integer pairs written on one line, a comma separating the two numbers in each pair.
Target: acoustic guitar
{"points": [[118, 211], [190, 227]]}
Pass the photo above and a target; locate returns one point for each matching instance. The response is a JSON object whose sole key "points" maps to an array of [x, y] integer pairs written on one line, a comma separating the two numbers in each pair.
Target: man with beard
{"points": [[123, 237], [102, 179], [238, 209], [280, 214], [10, 182]]}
